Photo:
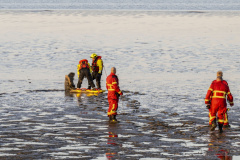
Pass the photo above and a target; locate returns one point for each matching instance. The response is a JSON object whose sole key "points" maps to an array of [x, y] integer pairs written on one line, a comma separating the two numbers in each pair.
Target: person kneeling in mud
{"points": [[84, 70], [69, 84]]}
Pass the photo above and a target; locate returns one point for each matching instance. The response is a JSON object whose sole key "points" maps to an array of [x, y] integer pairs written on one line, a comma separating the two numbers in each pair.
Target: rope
{"points": [[105, 71]]}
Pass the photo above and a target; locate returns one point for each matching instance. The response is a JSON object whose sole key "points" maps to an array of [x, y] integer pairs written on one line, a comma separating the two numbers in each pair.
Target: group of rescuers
{"points": [[215, 98], [95, 72]]}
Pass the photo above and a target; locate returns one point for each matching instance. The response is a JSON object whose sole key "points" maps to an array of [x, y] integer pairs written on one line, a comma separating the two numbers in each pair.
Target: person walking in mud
{"points": [[84, 70], [226, 122], [97, 67], [114, 93], [216, 101]]}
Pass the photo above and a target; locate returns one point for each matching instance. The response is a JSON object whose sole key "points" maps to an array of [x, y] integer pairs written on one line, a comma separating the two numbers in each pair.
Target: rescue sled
{"points": [[70, 87], [84, 90]]}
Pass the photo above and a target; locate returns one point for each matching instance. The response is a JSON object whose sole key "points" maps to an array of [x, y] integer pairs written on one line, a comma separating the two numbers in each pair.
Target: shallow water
{"points": [[165, 61], [122, 5]]}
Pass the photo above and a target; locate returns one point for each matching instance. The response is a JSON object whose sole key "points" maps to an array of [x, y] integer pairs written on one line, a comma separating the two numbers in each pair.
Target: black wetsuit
{"points": [[85, 72], [97, 76]]}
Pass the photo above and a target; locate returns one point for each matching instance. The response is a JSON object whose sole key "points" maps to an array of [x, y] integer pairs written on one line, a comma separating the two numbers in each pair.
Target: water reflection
{"points": [[69, 94], [79, 96], [112, 141], [217, 146]]}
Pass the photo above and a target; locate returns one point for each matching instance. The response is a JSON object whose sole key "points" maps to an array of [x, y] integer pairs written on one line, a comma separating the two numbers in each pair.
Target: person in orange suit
{"points": [[84, 70], [216, 101], [113, 95], [226, 122], [112, 140]]}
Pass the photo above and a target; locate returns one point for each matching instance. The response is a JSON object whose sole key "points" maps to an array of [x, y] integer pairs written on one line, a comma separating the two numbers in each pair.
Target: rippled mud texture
{"points": [[165, 59], [76, 127]]}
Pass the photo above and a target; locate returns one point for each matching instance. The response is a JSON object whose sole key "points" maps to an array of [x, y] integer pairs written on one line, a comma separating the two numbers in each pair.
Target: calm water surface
{"points": [[122, 4]]}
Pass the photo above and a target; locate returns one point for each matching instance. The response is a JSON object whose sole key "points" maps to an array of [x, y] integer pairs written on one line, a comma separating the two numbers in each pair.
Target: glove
{"points": [[121, 93], [208, 106], [118, 95]]}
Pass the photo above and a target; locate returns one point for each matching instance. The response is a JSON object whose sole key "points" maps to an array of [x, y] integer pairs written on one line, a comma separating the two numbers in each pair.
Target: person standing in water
{"points": [[216, 101], [84, 70], [114, 92], [226, 122], [97, 67]]}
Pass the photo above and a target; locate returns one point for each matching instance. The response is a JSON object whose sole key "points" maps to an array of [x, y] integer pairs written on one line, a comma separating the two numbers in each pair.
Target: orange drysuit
{"points": [[113, 93], [225, 116], [216, 98]]}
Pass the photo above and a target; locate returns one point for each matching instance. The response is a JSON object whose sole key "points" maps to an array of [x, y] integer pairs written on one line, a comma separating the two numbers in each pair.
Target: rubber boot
{"points": [[110, 118], [214, 125], [226, 126], [114, 117], [89, 87], [220, 126], [113, 120]]}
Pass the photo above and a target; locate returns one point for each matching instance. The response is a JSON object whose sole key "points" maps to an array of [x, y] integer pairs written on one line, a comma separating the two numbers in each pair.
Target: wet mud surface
{"points": [[52, 124], [166, 61]]}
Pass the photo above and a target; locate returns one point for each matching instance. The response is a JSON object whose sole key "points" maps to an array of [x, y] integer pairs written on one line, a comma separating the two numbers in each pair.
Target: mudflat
{"points": [[165, 60]]}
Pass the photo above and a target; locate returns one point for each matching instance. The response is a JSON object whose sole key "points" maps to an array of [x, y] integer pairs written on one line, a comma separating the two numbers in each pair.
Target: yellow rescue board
{"points": [[83, 90]]}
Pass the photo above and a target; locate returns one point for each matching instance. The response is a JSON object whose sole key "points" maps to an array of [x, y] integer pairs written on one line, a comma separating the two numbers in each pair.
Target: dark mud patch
{"points": [[76, 127], [1, 94], [46, 90]]}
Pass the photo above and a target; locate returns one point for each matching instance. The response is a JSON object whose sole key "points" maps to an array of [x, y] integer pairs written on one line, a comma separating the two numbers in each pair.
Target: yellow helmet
{"points": [[93, 55]]}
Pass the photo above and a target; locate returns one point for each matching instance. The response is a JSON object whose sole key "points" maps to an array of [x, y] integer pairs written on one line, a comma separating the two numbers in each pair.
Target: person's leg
{"points": [[116, 104], [80, 79], [112, 110], [226, 122], [98, 81], [94, 76], [90, 80], [210, 117], [213, 112], [220, 115], [89, 86]]}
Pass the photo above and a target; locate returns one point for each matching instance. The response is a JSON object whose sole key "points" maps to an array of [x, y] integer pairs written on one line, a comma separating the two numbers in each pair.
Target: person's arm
{"points": [[90, 68], [100, 65], [230, 97], [115, 86], [78, 72], [209, 95]]}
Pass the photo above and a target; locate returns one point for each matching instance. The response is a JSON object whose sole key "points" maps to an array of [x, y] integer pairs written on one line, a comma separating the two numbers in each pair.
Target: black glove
{"points": [[118, 95], [208, 106]]}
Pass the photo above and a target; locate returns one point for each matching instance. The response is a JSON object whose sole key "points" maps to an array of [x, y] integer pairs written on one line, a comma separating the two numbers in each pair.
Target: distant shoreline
{"points": [[121, 10], [124, 5]]}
